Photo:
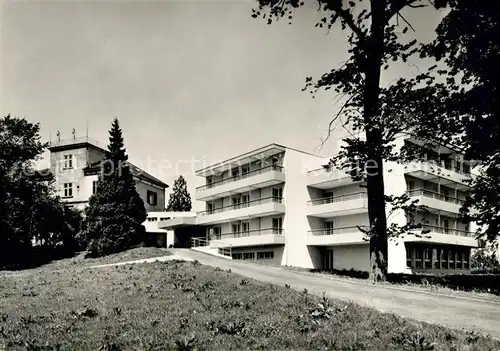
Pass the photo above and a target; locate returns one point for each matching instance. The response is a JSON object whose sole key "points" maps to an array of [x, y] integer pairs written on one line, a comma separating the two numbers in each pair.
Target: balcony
{"points": [[258, 237], [327, 178], [433, 172], [256, 208], [441, 235], [436, 202], [336, 236], [342, 205], [259, 178]]}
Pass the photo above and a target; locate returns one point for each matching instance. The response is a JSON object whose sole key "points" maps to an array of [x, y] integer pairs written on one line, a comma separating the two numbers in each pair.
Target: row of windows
{"points": [[262, 255], [152, 197], [432, 257], [155, 219]]}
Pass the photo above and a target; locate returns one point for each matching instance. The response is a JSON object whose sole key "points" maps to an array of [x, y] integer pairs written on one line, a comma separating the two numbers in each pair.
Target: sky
{"points": [[188, 81]]}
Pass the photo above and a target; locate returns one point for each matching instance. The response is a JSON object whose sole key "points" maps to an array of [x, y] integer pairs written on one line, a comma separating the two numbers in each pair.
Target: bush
{"points": [[467, 282]]}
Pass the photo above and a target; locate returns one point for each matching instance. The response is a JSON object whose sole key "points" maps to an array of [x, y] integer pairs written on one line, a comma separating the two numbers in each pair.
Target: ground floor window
{"points": [[243, 256], [428, 256], [265, 255], [237, 256]]}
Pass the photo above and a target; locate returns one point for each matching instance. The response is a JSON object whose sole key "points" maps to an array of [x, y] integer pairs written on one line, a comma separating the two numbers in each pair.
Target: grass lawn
{"points": [[79, 261], [187, 306]]}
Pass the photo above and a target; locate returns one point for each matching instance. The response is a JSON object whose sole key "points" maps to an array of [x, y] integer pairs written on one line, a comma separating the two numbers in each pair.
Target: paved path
{"points": [[453, 311], [144, 260]]}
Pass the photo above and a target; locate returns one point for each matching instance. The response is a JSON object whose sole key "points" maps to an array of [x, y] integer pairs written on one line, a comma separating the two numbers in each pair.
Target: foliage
{"points": [[485, 260], [378, 34], [138, 307], [179, 200], [468, 46], [114, 216], [30, 212]]}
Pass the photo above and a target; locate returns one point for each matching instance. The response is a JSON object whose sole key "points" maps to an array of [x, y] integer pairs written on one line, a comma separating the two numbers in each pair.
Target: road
{"points": [[456, 312]]}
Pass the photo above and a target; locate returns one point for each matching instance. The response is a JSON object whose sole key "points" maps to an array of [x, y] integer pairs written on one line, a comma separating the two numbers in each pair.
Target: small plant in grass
{"points": [[416, 342], [324, 310], [244, 282], [287, 286], [186, 343]]}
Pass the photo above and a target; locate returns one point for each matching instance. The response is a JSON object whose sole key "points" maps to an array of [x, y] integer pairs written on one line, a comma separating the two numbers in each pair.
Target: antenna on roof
{"points": [[86, 129], [58, 136], [74, 133]]}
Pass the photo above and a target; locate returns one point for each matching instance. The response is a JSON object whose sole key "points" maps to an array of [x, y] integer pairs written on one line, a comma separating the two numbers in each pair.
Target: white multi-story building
{"points": [[283, 206]]}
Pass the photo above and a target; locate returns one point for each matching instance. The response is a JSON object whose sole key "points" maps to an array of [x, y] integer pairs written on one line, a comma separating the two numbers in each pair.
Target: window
{"points": [[210, 207], [94, 187], [265, 255], [235, 172], [245, 228], [216, 233], [435, 258], [328, 227], [236, 202], [418, 257], [244, 200], [277, 225], [244, 170], [68, 161], [210, 180], [236, 230], [451, 259], [152, 219], [164, 218], [237, 256], [249, 256], [329, 197], [411, 185], [444, 260], [446, 225], [409, 260], [152, 198], [68, 189], [277, 194], [427, 258], [458, 259], [465, 259]]}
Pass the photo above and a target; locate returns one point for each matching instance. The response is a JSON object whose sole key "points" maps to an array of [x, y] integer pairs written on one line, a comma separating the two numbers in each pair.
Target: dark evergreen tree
{"points": [[179, 200], [116, 212]]}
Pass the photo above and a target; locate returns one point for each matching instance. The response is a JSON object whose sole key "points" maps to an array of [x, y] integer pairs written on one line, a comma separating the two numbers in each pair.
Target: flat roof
{"points": [[262, 152]]}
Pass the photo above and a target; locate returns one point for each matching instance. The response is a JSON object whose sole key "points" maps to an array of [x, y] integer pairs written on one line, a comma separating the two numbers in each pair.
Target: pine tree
{"points": [[179, 200], [116, 212]]}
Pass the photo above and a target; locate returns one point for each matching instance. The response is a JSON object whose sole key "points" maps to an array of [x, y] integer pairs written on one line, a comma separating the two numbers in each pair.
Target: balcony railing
{"points": [[255, 172], [434, 195], [457, 168], [262, 201], [334, 231], [247, 233], [77, 140], [448, 231], [334, 199]]}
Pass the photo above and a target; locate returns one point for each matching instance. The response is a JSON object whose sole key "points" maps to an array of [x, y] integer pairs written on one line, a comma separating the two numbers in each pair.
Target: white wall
{"points": [[296, 195], [355, 257]]}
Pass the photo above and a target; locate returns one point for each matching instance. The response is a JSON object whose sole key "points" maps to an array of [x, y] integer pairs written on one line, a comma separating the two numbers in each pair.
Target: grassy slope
{"points": [[175, 305], [80, 261]]}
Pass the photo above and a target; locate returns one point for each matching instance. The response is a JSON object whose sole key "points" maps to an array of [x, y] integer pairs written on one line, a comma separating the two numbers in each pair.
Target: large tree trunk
{"points": [[374, 50]]}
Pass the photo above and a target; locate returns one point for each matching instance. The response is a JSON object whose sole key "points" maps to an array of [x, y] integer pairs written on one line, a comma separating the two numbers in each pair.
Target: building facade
{"points": [[282, 206], [75, 168]]}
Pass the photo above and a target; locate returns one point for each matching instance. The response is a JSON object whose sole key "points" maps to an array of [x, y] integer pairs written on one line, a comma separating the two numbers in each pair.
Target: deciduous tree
{"points": [[377, 35]]}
